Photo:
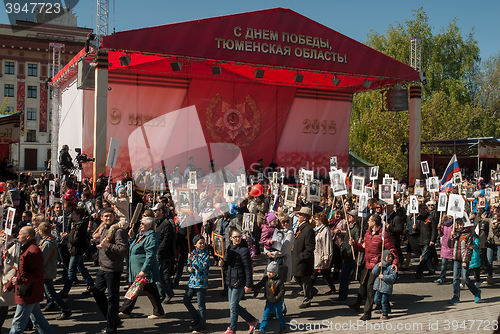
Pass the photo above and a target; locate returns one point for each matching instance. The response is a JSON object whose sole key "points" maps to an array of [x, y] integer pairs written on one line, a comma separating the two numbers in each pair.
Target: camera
{"points": [[82, 158]]}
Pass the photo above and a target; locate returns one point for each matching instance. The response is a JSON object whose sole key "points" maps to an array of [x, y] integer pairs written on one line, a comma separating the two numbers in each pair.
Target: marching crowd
{"points": [[330, 238]]}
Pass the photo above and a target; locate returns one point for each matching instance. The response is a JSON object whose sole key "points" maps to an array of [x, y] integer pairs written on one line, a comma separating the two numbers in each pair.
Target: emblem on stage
{"points": [[232, 122]]}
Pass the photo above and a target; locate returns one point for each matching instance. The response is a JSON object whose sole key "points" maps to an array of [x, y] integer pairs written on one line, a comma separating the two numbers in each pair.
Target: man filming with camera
{"points": [[65, 161]]}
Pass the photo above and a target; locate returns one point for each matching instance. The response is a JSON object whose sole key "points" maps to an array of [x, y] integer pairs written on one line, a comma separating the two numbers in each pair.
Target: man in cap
{"points": [[303, 255], [349, 261], [166, 250]]}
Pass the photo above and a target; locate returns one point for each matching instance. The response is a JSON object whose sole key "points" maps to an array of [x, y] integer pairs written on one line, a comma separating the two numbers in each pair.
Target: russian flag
{"points": [[450, 170]]}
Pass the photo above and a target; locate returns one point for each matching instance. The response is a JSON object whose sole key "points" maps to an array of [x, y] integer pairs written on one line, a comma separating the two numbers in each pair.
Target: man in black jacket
{"points": [[427, 238], [303, 255], [65, 161], [77, 243], [166, 251], [396, 226], [111, 256]]}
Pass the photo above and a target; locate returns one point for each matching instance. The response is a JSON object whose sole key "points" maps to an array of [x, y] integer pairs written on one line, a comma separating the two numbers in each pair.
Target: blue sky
{"points": [[351, 18]]}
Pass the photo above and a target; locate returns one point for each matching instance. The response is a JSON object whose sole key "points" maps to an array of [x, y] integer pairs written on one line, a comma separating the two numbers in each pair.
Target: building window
{"points": [[9, 67], [50, 114], [50, 136], [31, 136], [50, 93], [32, 70], [9, 90], [32, 92], [31, 114], [9, 110], [51, 70]]}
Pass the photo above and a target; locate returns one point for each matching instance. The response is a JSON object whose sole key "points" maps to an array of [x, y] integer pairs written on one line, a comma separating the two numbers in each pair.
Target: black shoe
{"points": [[168, 299], [63, 294], [314, 292], [354, 307], [365, 316], [194, 324], [305, 305], [432, 273], [89, 290], [65, 315]]}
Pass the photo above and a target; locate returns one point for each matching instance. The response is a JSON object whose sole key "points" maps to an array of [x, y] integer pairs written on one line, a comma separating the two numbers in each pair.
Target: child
{"points": [[475, 261], [239, 280], [121, 207], [461, 240], [274, 291], [198, 265], [383, 290], [268, 231]]}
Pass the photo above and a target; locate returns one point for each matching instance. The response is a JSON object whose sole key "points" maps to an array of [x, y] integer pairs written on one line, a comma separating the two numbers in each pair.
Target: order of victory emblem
{"points": [[233, 123]]}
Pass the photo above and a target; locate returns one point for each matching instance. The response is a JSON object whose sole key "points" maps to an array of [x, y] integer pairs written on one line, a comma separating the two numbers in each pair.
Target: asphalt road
{"points": [[410, 297]]}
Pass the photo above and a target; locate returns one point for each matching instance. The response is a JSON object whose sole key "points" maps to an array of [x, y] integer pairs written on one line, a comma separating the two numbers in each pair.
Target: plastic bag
{"points": [[136, 287]]}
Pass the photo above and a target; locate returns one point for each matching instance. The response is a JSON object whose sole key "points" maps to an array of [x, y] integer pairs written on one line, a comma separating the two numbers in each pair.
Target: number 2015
{"points": [[314, 126]]}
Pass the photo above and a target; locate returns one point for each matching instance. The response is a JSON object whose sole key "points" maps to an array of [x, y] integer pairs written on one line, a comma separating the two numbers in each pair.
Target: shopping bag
{"points": [[136, 287]]}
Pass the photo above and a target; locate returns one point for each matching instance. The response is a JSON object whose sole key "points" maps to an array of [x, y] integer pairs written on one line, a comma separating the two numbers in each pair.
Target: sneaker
{"points": [[252, 325], [168, 299], [65, 315], [453, 300], [122, 315], [477, 297], [154, 316], [337, 301], [439, 281], [304, 305], [462, 286], [330, 291], [199, 330], [228, 331], [89, 290], [365, 316], [194, 325]]}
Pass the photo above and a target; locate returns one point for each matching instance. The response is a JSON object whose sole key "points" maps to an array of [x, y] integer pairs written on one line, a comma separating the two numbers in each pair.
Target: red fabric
{"points": [[205, 39], [43, 108], [30, 272], [21, 94], [373, 247]]}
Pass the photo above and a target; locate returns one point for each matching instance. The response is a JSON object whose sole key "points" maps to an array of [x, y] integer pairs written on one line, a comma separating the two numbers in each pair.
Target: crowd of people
{"points": [[331, 238]]}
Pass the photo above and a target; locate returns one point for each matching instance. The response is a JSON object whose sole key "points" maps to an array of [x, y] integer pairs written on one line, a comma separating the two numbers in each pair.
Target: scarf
{"points": [[448, 223]]}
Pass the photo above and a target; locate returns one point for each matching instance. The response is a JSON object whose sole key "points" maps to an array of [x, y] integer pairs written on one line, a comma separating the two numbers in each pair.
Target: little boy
{"points": [[274, 291], [383, 290], [121, 207]]}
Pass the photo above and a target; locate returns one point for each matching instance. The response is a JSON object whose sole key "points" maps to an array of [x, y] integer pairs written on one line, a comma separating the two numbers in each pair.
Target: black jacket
{"points": [[65, 162], [397, 223], [166, 234], [239, 266], [345, 248], [427, 227], [303, 251], [77, 238], [274, 288]]}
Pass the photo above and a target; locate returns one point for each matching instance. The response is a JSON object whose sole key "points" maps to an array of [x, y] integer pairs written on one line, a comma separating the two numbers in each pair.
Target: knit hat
{"points": [[270, 217], [120, 188], [272, 267], [386, 253], [197, 238]]}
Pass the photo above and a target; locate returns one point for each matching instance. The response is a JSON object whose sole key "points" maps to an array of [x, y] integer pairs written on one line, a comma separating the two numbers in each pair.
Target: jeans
{"points": [[52, 296], [62, 251], [109, 306], [76, 262], [444, 265], [459, 271], [382, 301], [165, 283], [199, 315], [33, 312], [490, 254], [426, 260], [268, 310], [234, 296], [347, 267]]}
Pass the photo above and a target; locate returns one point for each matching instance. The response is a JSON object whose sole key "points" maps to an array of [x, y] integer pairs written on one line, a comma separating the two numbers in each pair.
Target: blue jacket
{"points": [[201, 264], [388, 279], [475, 261], [143, 257], [239, 266]]}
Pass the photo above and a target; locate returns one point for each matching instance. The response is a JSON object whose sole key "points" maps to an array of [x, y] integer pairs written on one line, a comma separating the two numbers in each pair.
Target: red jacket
{"points": [[30, 272], [373, 247]]}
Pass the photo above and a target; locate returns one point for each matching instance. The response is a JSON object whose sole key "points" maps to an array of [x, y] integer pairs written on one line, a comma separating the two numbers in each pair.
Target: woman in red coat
{"points": [[372, 247]]}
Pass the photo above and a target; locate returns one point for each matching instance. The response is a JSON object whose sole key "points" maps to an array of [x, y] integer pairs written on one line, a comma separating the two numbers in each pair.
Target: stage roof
{"points": [[278, 41]]}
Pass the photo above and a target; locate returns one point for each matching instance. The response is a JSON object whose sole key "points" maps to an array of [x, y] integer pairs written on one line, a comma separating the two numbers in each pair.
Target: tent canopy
{"points": [[356, 161], [278, 41]]}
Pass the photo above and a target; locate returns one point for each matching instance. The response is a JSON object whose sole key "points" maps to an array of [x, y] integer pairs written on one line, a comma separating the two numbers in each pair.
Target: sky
{"points": [[354, 19]]}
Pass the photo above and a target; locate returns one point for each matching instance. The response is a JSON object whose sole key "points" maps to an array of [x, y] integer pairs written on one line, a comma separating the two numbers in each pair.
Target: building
{"points": [[26, 64]]}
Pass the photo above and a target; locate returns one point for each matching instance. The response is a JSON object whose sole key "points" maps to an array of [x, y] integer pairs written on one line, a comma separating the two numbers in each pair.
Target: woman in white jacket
{"points": [[323, 251]]}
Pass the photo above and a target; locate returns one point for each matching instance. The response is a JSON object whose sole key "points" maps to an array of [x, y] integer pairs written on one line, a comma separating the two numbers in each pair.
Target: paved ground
{"points": [[419, 306]]}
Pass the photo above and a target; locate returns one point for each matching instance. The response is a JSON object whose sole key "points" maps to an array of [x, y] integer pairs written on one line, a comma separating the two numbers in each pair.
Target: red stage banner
{"points": [[9, 128], [43, 108], [21, 96]]}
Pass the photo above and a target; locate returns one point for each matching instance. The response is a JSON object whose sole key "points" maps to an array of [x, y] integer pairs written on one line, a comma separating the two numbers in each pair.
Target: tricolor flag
{"points": [[450, 170]]}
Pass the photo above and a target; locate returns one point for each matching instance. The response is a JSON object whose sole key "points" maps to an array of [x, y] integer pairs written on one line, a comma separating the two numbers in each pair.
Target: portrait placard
{"points": [[337, 180], [456, 206], [218, 243], [358, 183], [442, 202], [313, 191], [425, 167], [291, 194], [386, 193], [433, 184], [419, 192], [413, 205], [248, 220], [184, 198], [374, 173]]}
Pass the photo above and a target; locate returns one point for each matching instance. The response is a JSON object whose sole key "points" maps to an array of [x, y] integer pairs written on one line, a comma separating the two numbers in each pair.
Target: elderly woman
{"points": [[323, 251], [143, 263]]}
